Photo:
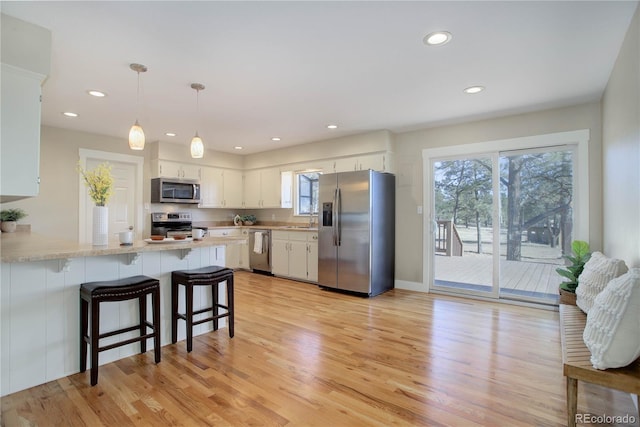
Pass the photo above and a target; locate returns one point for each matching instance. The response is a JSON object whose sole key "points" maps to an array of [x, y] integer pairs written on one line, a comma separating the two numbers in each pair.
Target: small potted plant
{"points": [[572, 273], [9, 218], [249, 219]]}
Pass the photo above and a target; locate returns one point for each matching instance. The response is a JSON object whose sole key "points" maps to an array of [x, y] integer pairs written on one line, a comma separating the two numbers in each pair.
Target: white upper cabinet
{"points": [[20, 143], [252, 191], [381, 162], [211, 188], [262, 188], [26, 62], [220, 188], [232, 181], [191, 172], [286, 193], [271, 188], [169, 169], [377, 162]]}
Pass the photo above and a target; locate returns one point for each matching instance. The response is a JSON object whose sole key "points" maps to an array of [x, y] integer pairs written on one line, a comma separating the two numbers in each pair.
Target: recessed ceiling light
{"points": [[170, 134], [474, 89], [437, 38], [96, 93], [275, 138], [237, 147], [69, 114], [332, 126]]}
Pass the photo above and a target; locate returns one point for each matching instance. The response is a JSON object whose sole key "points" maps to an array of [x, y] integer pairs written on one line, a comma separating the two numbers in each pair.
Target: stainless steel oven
{"points": [[169, 224]]}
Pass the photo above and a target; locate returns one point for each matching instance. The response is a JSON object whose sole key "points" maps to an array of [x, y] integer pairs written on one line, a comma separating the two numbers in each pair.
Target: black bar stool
{"points": [[93, 293], [206, 276]]}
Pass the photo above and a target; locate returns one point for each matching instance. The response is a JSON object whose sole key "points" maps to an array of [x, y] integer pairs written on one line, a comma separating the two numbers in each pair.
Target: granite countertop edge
{"points": [[27, 247]]}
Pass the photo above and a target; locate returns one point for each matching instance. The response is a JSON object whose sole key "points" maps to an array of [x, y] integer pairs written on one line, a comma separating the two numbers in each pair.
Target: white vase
{"points": [[100, 226]]}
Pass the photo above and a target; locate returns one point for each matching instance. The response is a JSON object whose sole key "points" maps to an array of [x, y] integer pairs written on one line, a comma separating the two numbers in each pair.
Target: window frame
{"points": [[297, 193]]}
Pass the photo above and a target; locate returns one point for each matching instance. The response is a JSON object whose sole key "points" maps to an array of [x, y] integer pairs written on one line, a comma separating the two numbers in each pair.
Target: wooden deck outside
{"points": [[519, 277]]}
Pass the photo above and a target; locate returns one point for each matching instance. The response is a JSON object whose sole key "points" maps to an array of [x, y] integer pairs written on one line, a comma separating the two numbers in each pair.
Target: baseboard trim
{"points": [[410, 286]]}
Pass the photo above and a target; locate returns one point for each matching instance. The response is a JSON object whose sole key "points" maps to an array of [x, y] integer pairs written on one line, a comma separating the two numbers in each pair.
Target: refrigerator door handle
{"points": [[339, 216], [334, 213]]}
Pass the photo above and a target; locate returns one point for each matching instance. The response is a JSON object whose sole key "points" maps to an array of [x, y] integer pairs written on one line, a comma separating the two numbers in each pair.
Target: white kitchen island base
{"points": [[40, 310]]}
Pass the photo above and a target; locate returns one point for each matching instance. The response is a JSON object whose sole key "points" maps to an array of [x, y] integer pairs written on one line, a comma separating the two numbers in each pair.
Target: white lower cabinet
{"points": [[294, 254], [244, 250], [236, 254]]}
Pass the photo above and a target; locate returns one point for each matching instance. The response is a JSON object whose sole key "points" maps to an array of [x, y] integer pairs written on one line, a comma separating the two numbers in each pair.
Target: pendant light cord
{"points": [[138, 98], [197, 110]]}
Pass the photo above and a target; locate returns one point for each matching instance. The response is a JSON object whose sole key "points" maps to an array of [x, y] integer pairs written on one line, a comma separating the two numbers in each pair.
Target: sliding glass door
{"points": [[464, 225], [502, 222], [536, 200]]}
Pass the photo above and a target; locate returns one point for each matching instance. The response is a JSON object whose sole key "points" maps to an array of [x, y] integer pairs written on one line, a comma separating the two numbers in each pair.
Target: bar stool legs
{"points": [[207, 276], [94, 293]]}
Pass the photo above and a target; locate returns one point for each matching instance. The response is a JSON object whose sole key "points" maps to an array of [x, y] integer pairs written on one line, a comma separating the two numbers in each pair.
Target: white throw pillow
{"points": [[598, 271], [613, 323]]}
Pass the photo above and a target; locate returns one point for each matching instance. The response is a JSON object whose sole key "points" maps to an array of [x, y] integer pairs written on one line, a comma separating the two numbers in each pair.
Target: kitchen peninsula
{"points": [[40, 279]]}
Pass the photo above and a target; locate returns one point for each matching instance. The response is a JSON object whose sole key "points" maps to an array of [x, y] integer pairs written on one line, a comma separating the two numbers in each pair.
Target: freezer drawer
{"points": [[260, 254]]}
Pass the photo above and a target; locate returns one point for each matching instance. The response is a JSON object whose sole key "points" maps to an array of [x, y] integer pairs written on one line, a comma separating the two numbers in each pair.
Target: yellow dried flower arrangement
{"points": [[99, 182]]}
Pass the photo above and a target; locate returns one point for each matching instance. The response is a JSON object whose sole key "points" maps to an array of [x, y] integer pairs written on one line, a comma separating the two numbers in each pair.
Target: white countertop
{"points": [[25, 247]]}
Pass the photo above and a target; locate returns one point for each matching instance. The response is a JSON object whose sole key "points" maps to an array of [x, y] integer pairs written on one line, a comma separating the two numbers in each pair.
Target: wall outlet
{"points": [[419, 210], [273, 217]]}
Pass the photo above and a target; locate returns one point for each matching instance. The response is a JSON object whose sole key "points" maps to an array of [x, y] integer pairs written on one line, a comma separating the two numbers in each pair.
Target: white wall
{"points": [[54, 212], [408, 150], [621, 152]]}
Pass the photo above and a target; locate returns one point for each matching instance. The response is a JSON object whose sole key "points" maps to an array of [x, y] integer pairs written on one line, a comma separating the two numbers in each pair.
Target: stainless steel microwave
{"points": [[174, 190]]}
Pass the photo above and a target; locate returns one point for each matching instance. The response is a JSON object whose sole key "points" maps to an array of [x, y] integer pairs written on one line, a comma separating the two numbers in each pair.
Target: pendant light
{"points": [[197, 147], [136, 134]]}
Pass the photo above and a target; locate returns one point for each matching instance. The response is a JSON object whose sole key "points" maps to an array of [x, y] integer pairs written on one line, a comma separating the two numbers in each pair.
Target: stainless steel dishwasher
{"points": [[260, 250]]}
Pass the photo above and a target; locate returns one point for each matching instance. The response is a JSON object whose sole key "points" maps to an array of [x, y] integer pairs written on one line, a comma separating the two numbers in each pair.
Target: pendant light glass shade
{"points": [[136, 134], [197, 147], [136, 137]]}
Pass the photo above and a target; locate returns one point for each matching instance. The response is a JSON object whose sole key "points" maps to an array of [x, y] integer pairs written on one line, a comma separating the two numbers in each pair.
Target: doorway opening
{"points": [[125, 205]]}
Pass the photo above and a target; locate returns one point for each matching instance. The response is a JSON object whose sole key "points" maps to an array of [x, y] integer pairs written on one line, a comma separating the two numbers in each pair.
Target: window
{"points": [[307, 191]]}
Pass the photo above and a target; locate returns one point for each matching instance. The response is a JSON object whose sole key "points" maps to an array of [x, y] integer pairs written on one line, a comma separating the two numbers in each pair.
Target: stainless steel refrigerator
{"points": [[356, 231]]}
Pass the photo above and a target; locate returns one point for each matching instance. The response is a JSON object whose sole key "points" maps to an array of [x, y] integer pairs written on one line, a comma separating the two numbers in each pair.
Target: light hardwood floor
{"points": [[302, 356]]}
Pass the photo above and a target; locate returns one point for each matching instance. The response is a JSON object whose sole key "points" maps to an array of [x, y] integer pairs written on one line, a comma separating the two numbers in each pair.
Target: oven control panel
{"points": [[171, 217]]}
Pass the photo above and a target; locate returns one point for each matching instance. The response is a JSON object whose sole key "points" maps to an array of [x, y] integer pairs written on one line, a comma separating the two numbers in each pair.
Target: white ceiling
{"points": [[288, 69]]}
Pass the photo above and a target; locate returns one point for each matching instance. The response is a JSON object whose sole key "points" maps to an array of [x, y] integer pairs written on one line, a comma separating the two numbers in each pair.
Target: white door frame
{"points": [[106, 156], [581, 174]]}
